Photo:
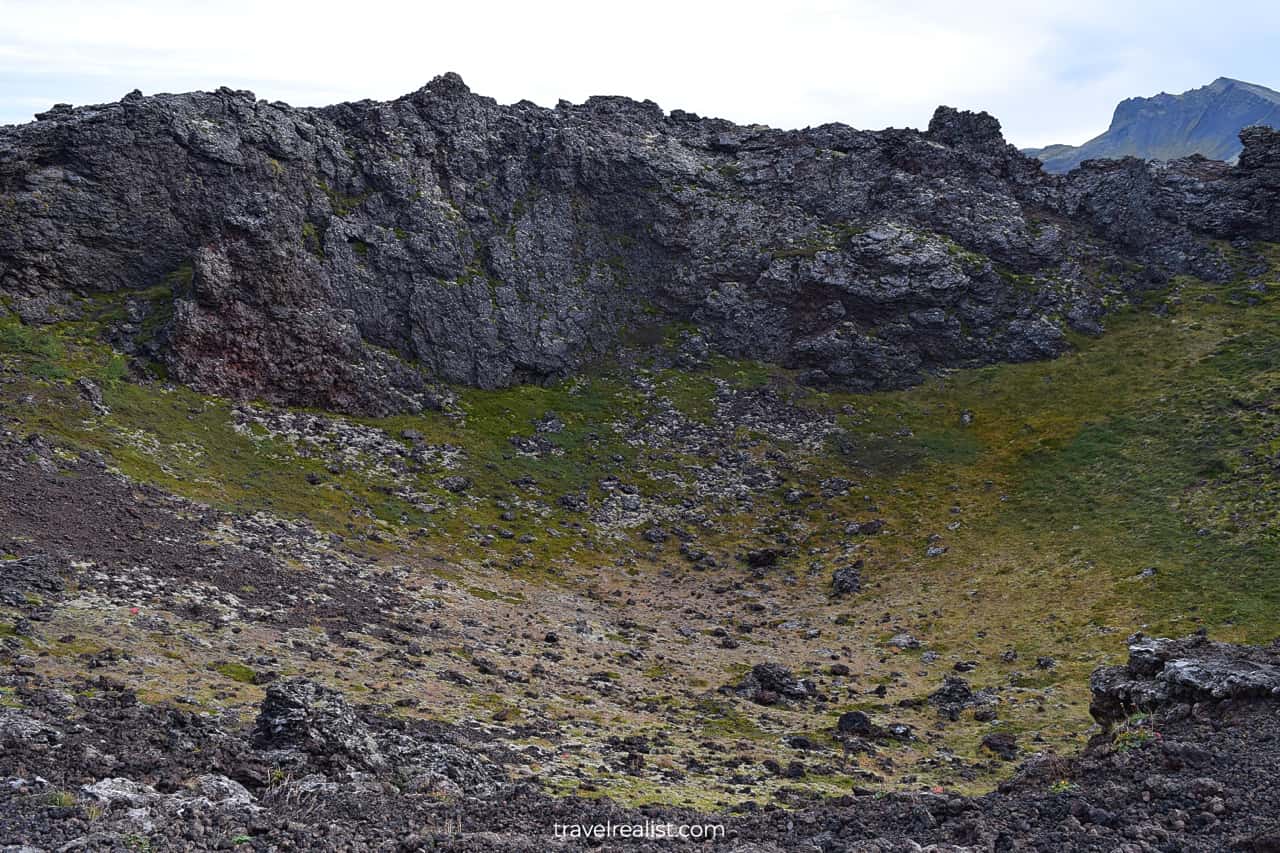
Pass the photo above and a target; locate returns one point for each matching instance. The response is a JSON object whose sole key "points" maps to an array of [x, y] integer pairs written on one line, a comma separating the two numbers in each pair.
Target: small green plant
{"points": [[1135, 732], [241, 839], [62, 799], [1062, 786], [312, 240], [1129, 740]]}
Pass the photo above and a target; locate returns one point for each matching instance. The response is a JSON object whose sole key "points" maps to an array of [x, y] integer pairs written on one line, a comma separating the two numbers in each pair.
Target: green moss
{"points": [[657, 670], [343, 204], [312, 240], [1151, 446], [237, 672], [42, 342], [721, 719], [826, 238], [1019, 281]]}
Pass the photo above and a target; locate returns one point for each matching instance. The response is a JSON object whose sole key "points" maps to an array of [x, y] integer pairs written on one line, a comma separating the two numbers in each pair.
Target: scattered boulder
{"points": [[300, 714], [19, 729], [763, 558], [217, 788], [855, 723], [655, 535], [846, 580], [899, 731], [858, 724], [549, 423], [118, 790], [90, 391], [455, 483], [1003, 744], [766, 683], [955, 695], [864, 528]]}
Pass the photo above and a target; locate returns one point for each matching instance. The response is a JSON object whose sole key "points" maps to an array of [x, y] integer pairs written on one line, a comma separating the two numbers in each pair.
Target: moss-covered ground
{"points": [[1128, 485]]}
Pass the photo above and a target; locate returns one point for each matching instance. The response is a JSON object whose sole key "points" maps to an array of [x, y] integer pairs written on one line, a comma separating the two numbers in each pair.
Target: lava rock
{"points": [[855, 723], [300, 714], [1003, 744], [879, 267], [846, 581], [767, 682]]}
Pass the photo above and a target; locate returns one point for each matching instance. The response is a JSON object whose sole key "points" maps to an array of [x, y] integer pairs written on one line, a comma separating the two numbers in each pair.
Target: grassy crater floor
{"points": [[673, 526]]}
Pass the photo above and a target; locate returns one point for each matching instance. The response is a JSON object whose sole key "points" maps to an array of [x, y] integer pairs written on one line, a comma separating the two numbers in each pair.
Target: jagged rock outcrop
{"points": [[1164, 673], [767, 683], [300, 714], [345, 256]]}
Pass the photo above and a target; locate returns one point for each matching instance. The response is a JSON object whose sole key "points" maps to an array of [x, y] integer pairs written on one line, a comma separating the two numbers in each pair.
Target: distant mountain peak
{"points": [[1206, 121]]}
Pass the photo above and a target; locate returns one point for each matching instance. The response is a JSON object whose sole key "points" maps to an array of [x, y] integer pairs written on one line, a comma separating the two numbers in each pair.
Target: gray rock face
{"points": [[300, 714], [1205, 121], [120, 790], [1162, 673], [343, 257], [19, 728], [846, 580], [766, 683]]}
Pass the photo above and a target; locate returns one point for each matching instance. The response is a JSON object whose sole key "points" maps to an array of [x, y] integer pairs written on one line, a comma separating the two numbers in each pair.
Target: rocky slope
{"points": [[693, 587], [1186, 763], [345, 257], [1205, 121], [676, 583]]}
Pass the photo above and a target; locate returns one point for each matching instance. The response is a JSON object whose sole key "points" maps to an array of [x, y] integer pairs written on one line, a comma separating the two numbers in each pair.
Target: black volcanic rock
{"points": [[766, 682], [1202, 780], [1166, 673], [1205, 121], [344, 257], [300, 714]]}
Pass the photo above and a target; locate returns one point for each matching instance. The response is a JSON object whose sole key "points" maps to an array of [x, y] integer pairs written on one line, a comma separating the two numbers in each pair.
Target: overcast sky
{"points": [[1050, 74]]}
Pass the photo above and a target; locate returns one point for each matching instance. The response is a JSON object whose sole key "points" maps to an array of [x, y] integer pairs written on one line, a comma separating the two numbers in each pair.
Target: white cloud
{"points": [[1049, 72]]}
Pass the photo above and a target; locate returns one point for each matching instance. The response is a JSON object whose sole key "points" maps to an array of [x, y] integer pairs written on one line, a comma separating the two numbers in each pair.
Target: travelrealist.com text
{"points": [[644, 830]]}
